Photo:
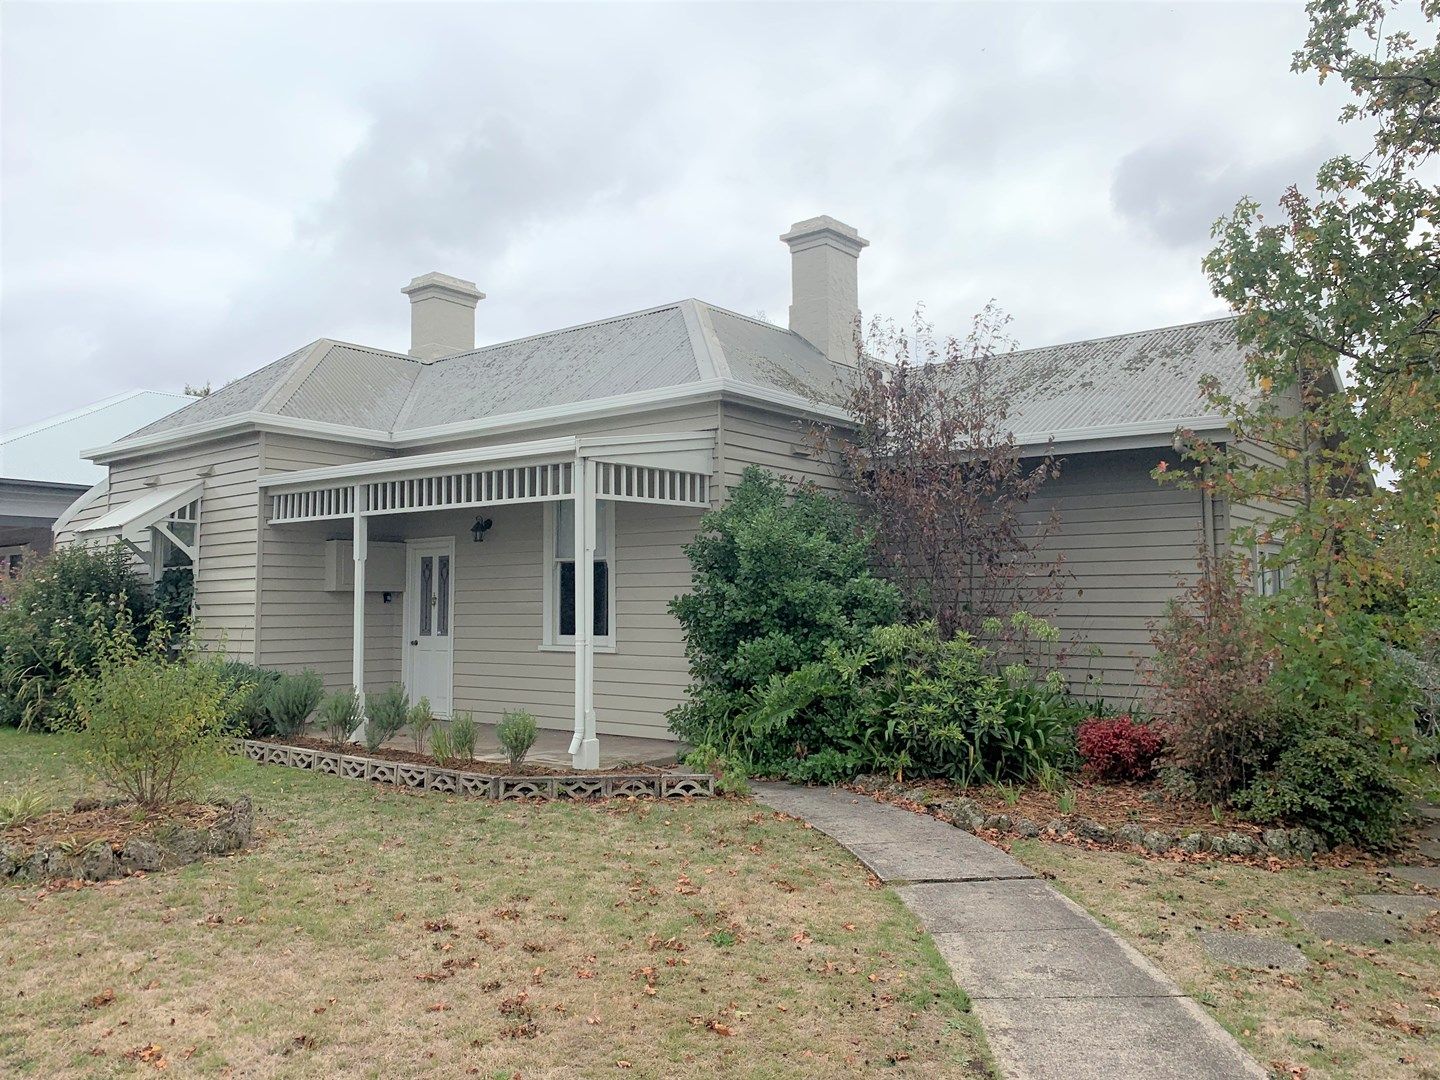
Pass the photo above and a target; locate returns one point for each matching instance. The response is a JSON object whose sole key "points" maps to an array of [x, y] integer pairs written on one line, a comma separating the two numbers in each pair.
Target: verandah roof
{"points": [[672, 468]]}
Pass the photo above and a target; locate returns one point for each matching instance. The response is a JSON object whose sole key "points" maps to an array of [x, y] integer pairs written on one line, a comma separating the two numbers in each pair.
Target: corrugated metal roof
{"points": [[650, 350], [355, 386], [242, 395], [767, 355], [1152, 376], [1149, 376]]}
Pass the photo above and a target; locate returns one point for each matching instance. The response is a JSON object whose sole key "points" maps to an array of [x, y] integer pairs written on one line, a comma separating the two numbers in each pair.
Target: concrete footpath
{"points": [[1058, 994]]}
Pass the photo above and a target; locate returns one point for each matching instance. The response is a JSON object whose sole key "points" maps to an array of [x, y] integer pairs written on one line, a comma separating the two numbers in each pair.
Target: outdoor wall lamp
{"points": [[479, 529]]}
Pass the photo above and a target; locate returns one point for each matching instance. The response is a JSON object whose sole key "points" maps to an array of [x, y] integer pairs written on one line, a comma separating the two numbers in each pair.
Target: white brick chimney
{"points": [[824, 287], [442, 315]]}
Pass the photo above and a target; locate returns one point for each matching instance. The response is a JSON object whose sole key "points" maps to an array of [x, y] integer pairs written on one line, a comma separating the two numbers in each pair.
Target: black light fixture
{"points": [[479, 529]]}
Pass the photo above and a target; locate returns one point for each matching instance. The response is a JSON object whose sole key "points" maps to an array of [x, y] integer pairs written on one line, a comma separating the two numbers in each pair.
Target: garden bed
{"points": [[98, 841], [476, 779], [474, 765], [1138, 818]]}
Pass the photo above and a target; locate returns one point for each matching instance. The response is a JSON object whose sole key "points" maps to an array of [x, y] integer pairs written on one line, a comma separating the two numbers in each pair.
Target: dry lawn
{"points": [[1358, 1011], [378, 933]]}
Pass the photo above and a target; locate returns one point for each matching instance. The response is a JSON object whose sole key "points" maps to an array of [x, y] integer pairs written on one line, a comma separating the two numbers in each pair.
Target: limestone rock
{"points": [[141, 854], [1131, 833], [1157, 842]]}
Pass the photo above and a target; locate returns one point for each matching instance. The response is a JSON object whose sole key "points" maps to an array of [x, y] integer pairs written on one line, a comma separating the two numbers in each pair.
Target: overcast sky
{"points": [[193, 190]]}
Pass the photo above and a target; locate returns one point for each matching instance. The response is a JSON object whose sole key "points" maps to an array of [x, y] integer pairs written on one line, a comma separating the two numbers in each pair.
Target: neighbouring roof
{"points": [[50, 449], [1079, 390]]}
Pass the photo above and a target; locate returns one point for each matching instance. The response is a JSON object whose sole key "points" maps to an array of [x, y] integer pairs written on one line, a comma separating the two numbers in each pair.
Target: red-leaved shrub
{"points": [[1116, 748]]}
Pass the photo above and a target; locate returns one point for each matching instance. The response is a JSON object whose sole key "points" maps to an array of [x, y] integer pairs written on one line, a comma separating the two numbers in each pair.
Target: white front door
{"points": [[429, 621]]}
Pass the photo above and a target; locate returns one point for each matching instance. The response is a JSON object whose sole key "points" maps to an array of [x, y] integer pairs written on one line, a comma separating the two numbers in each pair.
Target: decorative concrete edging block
{"points": [[438, 779], [352, 767], [419, 777], [680, 787], [380, 770], [475, 784], [524, 787], [638, 787]]}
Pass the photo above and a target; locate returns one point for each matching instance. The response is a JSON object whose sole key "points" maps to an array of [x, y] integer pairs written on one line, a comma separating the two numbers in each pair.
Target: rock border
{"points": [[967, 814], [167, 845], [497, 787]]}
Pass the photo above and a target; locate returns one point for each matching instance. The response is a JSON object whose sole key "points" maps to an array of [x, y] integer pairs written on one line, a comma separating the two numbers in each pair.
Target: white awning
{"points": [[132, 520]]}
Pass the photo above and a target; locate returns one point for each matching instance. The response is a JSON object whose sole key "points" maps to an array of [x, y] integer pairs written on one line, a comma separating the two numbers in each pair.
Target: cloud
{"points": [[191, 191], [1175, 189]]}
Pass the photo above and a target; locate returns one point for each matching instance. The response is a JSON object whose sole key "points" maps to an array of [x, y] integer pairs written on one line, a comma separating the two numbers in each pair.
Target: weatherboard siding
{"points": [[779, 442], [225, 569], [1129, 545], [301, 624]]}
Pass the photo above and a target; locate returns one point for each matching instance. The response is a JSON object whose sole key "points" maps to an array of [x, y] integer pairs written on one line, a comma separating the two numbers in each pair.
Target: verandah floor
{"points": [[552, 747]]}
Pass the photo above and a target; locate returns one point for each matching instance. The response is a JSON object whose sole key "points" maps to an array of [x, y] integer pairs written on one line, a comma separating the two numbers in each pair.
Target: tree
{"points": [[942, 479], [1347, 282], [1337, 307]]}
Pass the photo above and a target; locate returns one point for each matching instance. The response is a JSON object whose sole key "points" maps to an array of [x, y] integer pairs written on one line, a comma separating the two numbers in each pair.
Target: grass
{"points": [[374, 932], [1358, 1011]]}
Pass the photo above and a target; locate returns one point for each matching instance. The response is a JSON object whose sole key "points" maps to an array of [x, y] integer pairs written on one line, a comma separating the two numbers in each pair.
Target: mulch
{"points": [[483, 768], [1111, 805], [112, 823], [1151, 807]]}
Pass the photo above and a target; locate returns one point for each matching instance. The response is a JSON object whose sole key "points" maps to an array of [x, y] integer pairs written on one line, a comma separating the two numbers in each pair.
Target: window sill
{"points": [[571, 648]]}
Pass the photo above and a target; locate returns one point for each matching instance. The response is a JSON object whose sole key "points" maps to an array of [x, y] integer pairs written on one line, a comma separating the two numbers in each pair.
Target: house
{"points": [[42, 469], [385, 517]]}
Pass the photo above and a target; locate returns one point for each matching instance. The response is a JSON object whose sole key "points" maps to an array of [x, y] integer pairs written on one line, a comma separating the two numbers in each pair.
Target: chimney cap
{"points": [[443, 286], [824, 230]]}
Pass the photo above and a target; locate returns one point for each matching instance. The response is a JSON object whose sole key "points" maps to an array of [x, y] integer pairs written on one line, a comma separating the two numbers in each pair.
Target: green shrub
{"points": [[420, 717], [776, 580], [463, 733], [385, 714], [454, 742], [1334, 781], [516, 732], [54, 624], [730, 775], [340, 714], [292, 699], [907, 701], [249, 688], [22, 807], [151, 727]]}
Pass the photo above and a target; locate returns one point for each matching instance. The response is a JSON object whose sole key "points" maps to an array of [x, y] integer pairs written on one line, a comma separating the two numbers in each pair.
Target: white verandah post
{"points": [[361, 543], [584, 746]]}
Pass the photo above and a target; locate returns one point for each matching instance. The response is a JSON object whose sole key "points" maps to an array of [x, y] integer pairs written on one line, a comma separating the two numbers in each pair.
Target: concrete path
{"points": [[1058, 994]]}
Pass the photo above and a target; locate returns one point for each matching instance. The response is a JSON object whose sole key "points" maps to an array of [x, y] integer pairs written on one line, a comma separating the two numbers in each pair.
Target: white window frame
{"points": [[550, 638], [1269, 580]]}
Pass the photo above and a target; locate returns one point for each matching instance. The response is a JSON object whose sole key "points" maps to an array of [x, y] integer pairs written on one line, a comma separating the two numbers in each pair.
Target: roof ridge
{"points": [[704, 342]]}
